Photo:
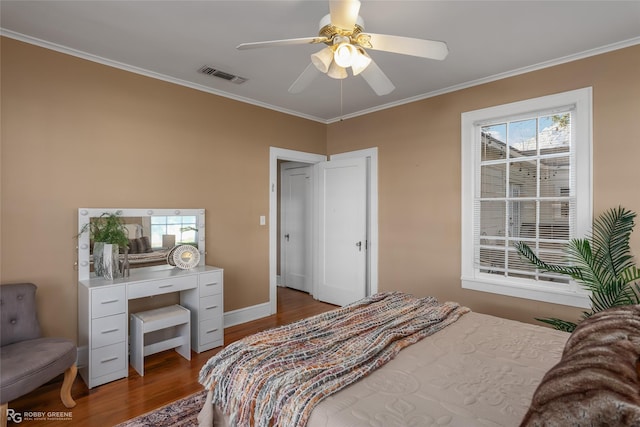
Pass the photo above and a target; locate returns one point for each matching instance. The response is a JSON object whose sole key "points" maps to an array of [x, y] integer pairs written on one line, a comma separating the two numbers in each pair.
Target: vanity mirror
{"points": [[152, 233]]}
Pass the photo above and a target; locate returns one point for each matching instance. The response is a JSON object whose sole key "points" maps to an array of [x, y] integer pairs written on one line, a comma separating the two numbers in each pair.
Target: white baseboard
{"points": [[247, 314]]}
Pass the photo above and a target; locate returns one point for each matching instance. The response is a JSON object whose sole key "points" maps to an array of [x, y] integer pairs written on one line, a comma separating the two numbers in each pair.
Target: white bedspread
{"points": [[479, 371]]}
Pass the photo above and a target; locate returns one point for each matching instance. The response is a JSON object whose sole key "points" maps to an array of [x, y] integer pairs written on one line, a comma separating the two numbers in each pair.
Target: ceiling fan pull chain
{"points": [[341, 118]]}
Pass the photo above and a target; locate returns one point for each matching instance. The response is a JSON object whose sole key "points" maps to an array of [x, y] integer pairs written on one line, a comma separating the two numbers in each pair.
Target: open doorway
{"points": [[279, 155], [295, 225]]}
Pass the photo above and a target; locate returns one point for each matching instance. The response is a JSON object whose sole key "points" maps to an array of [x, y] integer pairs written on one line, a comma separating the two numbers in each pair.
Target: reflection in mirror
{"points": [[152, 234]]}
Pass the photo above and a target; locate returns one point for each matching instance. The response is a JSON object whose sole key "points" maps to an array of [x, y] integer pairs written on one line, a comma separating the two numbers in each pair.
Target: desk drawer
{"points": [[163, 286], [211, 307], [210, 330], [108, 330], [210, 283], [109, 359], [108, 301]]}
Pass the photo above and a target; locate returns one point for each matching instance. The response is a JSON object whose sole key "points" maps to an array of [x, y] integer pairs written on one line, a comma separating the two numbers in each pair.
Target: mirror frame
{"points": [[85, 215]]}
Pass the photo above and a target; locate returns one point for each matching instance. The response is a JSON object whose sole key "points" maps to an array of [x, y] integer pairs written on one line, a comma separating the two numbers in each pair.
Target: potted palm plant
{"points": [[109, 235], [601, 263]]}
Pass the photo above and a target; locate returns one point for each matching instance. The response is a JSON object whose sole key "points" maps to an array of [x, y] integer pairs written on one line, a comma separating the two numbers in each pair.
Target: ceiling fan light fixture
{"points": [[342, 30], [345, 54], [361, 61], [323, 59], [337, 72]]}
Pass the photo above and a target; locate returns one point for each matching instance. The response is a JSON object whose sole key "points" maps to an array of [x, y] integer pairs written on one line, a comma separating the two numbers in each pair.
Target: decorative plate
{"points": [[170, 255], [186, 257]]}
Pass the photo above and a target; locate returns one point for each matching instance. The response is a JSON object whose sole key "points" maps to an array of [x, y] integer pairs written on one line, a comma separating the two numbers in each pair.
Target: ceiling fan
{"points": [[342, 30]]}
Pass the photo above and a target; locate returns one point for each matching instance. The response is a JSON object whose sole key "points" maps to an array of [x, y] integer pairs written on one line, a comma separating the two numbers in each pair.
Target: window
{"points": [[182, 227], [526, 176]]}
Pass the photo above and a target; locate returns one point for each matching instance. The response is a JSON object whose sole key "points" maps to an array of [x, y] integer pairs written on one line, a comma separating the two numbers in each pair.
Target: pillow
{"points": [[133, 246], [144, 245], [596, 382]]}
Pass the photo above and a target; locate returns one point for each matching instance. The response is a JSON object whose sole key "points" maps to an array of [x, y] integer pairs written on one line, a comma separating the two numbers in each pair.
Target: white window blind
{"points": [[526, 177]]}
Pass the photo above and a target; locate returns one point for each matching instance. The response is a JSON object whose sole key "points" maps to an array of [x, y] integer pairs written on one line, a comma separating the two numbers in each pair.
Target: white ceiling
{"points": [[171, 40]]}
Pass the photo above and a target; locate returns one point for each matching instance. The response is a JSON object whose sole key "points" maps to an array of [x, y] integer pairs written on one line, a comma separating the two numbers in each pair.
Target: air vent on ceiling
{"points": [[221, 74]]}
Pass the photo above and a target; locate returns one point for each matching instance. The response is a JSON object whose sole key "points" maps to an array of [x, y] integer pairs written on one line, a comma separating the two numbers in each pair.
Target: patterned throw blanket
{"points": [[276, 377]]}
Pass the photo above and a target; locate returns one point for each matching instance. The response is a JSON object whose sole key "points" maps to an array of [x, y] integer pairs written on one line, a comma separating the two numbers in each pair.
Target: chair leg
{"points": [[3, 414], [65, 391]]}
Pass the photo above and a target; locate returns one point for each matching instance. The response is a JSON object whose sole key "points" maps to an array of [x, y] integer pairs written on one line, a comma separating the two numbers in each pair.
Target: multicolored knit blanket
{"points": [[276, 377]]}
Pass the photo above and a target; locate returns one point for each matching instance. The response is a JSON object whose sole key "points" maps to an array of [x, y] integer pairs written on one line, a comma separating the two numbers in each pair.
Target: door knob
{"points": [[286, 236], [359, 245]]}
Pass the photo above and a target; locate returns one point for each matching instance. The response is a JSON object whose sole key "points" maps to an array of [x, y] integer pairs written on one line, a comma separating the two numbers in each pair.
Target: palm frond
{"points": [[580, 256], [631, 274], [602, 264], [612, 294], [559, 324], [611, 234], [530, 255]]}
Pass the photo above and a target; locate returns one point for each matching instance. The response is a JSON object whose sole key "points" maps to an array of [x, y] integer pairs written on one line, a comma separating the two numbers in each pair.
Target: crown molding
{"points": [[144, 72], [551, 63], [104, 61]]}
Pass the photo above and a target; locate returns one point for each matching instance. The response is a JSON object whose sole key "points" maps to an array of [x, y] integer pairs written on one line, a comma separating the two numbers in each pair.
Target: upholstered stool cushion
{"points": [[26, 365]]}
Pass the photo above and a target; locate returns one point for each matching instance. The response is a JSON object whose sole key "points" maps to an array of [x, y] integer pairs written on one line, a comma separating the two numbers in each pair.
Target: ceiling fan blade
{"points": [[378, 80], [285, 42], [344, 13], [407, 46], [308, 75]]}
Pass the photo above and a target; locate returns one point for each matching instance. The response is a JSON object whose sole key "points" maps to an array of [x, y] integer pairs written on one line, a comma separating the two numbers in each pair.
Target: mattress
{"points": [[479, 371]]}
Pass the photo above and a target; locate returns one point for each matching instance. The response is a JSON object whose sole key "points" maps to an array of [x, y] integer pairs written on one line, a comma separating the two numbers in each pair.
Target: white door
{"points": [[342, 231], [295, 229]]}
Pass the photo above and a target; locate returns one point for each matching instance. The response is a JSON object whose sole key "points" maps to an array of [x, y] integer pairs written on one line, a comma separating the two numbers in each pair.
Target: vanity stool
{"points": [[159, 319]]}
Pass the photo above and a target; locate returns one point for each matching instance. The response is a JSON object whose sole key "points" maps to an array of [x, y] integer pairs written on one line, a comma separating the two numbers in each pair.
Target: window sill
{"points": [[577, 298]]}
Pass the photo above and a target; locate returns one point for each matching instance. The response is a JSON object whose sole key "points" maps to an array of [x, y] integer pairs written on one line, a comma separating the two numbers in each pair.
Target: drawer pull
{"points": [[111, 359], [108, 331], [109, 301], [211, 331], [211, 284], [211, 307], [165, 286]]}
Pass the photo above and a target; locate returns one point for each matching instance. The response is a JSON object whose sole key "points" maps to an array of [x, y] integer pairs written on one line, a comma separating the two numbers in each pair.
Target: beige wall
{"points": [[79, 134], [419, 172]]}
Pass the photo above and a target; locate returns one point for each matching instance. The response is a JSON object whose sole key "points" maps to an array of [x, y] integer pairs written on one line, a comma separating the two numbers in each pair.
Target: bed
{"points": [[470, 370]]}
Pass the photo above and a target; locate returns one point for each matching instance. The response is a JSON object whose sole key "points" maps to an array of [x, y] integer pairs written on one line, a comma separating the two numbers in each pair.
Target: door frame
{"points": [[276, 154], [308, 222]]}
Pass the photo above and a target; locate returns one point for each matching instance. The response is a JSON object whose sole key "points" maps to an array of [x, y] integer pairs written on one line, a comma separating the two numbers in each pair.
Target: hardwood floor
{"points": [[168, 376]]}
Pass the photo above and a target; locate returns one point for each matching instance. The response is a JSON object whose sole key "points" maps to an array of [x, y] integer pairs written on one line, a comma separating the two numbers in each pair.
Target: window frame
{"points": [[471, 278], [166, 224]]}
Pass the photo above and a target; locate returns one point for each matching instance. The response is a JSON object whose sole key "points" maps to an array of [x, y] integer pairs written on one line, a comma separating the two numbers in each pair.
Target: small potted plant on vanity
{"points": [[109, 235]]}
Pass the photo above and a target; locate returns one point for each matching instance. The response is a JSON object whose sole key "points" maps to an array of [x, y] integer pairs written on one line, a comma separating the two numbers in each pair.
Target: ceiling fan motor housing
{"points": [[330, 31]]}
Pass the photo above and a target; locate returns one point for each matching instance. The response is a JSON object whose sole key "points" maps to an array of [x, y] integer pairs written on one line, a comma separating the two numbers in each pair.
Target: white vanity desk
{"points": [[103, 315], [103, 305]]}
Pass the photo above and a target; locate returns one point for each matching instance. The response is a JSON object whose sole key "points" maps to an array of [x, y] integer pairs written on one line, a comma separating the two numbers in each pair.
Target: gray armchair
{"points": [[27, 360]]}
